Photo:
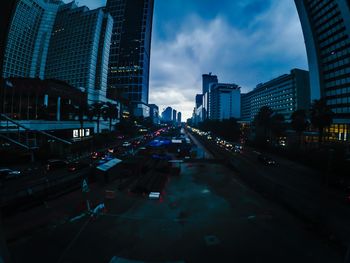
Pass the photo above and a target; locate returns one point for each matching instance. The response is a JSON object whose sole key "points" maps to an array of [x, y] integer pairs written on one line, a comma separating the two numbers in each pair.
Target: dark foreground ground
{"points": [[205, 215]]}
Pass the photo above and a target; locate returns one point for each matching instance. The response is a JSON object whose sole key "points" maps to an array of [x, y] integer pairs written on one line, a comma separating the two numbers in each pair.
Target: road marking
{"points": [[77, 217], [70, 245]]}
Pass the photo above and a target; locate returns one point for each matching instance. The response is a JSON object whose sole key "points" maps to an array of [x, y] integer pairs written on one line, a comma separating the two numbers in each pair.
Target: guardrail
{"points": [[40, 190]]}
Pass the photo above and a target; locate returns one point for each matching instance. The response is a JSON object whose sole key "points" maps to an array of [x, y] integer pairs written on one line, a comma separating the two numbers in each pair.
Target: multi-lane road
{"points": [[207, 214]]}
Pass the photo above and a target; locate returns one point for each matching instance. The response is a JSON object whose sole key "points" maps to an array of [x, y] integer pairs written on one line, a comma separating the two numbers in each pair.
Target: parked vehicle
{"points": [[7, 174], [55, 164]]}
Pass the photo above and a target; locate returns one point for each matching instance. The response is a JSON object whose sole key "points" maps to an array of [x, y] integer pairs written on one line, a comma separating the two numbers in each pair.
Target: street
{"points": [[204, 215]]}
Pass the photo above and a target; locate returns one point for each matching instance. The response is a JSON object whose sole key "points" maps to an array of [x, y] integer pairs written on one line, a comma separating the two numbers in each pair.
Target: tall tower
{"points": [[326, 28], [129, 63], [28, 38], [207, 79], [79, 49]]}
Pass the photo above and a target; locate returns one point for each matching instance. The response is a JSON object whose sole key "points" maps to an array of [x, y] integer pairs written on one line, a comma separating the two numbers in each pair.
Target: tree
{"points": [[81, 111], [110, 112], [299, 123], [96, 111], [321, 117], [277, 125], [262, 123]]}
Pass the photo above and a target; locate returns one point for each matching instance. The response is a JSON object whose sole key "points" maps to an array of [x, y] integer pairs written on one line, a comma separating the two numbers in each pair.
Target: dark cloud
{"points": [[263, 42], [242, 41]]}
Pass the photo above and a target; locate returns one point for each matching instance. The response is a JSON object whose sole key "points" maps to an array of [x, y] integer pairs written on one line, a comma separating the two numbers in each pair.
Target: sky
{"points": [[241, 41]]}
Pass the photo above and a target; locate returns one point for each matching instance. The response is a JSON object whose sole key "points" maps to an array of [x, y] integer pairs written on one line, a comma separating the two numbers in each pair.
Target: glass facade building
{"points": [[326, 28], [129, 64], [283, 95], [79, 49], [29, 37], [224, 101]]}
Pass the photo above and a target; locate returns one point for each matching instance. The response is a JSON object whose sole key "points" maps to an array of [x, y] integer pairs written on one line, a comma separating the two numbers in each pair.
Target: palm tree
{"points": [[96, 110], [262, 121], [110, 112], [81, 111], [277, 125], [321, 117], [299, 123]]}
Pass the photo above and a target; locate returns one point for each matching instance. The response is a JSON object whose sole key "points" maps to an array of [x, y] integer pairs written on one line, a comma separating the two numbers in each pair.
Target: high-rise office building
{"points": [[283, 94], [129, 64], [154, 113], [179, 117], [79, 49], [199, 100], [29, 37], [167, 114], [224, 101], [174, 115], [246, 99], [208, 79], [326, 28]]}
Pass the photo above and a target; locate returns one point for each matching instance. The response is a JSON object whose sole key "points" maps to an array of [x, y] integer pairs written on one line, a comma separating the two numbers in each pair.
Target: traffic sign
{"points": [[85, 187]]}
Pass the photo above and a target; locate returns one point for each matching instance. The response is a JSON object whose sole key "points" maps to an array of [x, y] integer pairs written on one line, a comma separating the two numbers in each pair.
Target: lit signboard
{"points": [[81, 133]]}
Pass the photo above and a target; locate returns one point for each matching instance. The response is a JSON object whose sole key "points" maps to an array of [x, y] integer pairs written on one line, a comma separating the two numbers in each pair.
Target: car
{"points": [[266, 160], [55, 164], [7, 174], [75, 166], [136, 142], [126, 144], [96, 155], [238, 148]]}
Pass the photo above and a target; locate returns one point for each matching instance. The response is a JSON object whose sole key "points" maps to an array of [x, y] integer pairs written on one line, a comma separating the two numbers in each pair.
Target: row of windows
{"points": [[341, 110], [332, 40], [317, 5], [325, 9], [345, 100], [333, 29], [338, 73], [334, 54], [332, 47]]}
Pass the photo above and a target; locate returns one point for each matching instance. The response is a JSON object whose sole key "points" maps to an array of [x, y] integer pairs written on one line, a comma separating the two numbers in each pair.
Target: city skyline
{"points": [[247, 42]]}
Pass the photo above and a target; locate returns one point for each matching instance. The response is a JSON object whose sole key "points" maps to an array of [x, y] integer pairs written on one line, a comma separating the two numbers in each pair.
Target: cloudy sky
{"points": [[242, 41]]}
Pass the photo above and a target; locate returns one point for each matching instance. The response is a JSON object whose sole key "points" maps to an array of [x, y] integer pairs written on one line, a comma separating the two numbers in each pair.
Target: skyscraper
{"points": [[129, 63], [174, 115], [79, 49], [225, 101], [167, 114], [326, 28], [208, 79], [179, 117], [29, 37]]}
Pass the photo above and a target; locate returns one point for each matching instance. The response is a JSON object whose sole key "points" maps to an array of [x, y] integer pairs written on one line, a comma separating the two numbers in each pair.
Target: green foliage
{"points": [[110, 112], [268, 125], [321, 116]]}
